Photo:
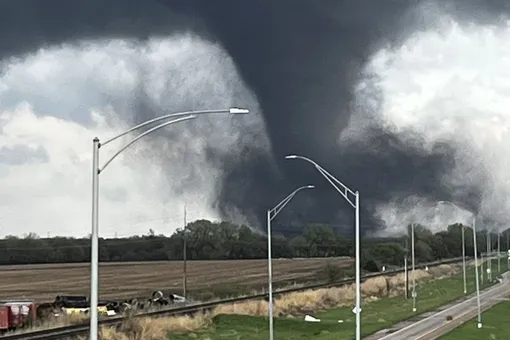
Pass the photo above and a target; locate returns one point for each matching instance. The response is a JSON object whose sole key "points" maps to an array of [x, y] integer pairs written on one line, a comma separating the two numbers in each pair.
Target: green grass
{"points": [[255, 328], [376, 315], [496, 326]]}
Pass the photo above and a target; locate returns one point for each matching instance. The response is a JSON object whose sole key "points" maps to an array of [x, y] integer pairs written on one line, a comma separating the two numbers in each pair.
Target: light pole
{"points": [[508, 248], [96, 170], [184, 257], [499, 252], [476, 274], [412, 259], [345, 192], [463, 229], [463, 232], [489, 256], [476, 263], [406, 275], [271, 214]]}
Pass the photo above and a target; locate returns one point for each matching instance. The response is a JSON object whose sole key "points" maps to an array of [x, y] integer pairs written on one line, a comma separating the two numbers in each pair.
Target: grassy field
{"points": [[496, 326], [376, 315], [255, 328], [206, 279]]}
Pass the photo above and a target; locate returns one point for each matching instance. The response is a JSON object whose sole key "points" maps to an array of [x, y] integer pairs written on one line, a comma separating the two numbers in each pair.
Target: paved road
{"points": [[436, 325]]}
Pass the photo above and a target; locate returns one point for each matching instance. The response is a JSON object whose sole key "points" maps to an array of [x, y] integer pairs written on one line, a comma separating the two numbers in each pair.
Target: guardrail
{"points": [[83, 329]]}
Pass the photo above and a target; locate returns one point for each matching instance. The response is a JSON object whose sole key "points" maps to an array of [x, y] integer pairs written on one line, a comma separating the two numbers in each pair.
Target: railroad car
{"points": [[16, 314]]}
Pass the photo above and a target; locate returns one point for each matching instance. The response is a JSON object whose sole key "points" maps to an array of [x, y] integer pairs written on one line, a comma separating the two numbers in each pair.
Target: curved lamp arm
{"points": [[276, 210], [186, 115], [232, 110], [454, 205], [162, 125], [344, 190], [460, 208]]}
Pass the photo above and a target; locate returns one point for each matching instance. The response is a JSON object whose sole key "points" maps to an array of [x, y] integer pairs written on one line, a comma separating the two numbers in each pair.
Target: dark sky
{"points": [[301, 58]]}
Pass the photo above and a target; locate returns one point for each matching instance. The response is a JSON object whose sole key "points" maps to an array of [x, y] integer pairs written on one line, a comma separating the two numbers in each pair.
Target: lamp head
{"points": [[238, 111], [310, 186], [291, 156]]}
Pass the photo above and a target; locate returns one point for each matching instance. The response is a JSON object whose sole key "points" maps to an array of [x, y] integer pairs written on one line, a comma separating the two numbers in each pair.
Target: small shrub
{"points": [[371, 266], [332, 272], [156, 328]]}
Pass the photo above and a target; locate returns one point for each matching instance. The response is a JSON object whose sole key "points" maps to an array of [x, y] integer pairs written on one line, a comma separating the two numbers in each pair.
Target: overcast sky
{"points": [[406, 103]]}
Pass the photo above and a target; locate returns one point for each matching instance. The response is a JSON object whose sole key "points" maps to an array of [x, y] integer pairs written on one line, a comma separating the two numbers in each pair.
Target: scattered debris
{"points": [[310, 318], [76, 304]]}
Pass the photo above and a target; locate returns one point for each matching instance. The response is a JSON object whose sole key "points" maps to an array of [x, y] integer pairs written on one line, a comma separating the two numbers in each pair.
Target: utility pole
{"points": [[184, 256], [481, 267]]}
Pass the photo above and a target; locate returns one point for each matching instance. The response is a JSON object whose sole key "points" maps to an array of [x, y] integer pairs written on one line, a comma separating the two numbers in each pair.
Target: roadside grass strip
{"points": [[495, 321], [339, 323]]}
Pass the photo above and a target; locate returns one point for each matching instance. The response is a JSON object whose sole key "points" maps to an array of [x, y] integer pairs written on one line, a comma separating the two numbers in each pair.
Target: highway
{"points": [[435, 325]]}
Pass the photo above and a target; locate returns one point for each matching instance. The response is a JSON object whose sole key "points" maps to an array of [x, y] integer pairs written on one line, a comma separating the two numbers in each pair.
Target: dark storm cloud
{"points": [[30, 24], [301, 58]]}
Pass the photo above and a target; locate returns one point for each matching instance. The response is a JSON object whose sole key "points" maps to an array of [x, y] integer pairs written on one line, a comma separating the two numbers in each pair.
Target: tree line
{"points": [[206, 240]]}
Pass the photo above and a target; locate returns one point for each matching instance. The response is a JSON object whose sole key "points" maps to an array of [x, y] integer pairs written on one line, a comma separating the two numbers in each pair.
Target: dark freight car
{"points": [[16, 314]]}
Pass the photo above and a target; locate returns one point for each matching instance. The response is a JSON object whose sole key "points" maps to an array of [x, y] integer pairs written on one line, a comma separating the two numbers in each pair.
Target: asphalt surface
{"points": [[435, 325]]}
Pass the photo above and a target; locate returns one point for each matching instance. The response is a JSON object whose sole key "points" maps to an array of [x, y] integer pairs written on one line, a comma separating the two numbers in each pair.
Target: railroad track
{"points": [[83, 329]]}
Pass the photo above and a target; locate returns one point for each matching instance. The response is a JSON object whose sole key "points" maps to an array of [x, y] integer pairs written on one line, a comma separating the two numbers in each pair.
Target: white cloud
{"points": [[55, 196], [398, 214], [448, 83], [58, 99]]}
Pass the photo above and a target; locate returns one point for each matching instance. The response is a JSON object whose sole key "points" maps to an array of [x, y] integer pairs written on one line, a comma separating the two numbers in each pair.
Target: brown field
{"points": [[206, 279], [290, 305]]}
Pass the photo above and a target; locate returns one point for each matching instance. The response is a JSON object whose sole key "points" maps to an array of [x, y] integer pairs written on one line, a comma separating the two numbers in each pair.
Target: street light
{"points": [[499, 252], [345, 192], [96, 170], [271, 214], [414, 275], [184, 256], [488, 252], [406, 273], [476, 273], [476, 262], [508, 248]]}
